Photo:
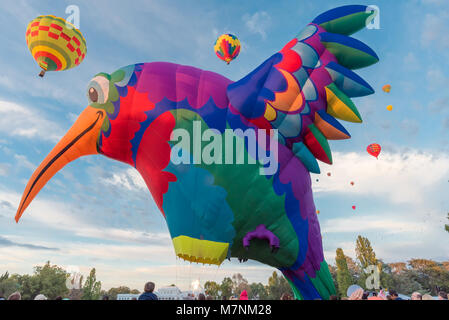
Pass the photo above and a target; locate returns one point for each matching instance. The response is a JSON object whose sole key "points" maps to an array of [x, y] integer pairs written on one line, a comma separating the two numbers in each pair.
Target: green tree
{"points": [[8, 284], [446, 226], [92, 287], [258, 291], [398, 267], [226, 287], [406, 282], [344, 278], [49, 280], [212, 288], [365, 253], [239, 284], [430, 274], [386, 275], [278, 285]]}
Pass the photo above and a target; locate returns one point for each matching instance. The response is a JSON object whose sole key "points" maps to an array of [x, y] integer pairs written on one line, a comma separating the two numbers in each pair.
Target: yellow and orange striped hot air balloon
{"points": [[55, 43]]}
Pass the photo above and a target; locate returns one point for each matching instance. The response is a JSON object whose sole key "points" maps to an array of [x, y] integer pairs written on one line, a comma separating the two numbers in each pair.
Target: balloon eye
{"points": [[98, 90], [93, 94]]}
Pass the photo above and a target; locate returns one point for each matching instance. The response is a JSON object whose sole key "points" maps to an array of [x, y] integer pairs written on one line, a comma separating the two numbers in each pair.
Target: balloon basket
{"points": [[42, 74]]}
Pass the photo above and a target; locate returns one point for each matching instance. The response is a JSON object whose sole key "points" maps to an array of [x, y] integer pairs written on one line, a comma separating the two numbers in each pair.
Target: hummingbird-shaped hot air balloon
{"points": [[224, 209]]}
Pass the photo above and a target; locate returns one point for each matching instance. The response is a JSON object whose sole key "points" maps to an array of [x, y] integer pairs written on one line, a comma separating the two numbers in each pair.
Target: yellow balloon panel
{"points": [[55, 43]]}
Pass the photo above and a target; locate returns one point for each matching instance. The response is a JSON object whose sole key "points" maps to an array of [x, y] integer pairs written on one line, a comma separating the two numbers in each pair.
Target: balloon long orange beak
{"points": [[80, 140]]}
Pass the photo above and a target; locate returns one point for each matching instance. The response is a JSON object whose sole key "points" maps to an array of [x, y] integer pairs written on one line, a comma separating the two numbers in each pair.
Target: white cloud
{"points": [[436, 79], [410, 127], [411, 61], [129, 179], [372, 223], [258, 23], [403, 178], [434, 30], [18, 120], [131, 265], [24, 162], [4, 169], [59, 216]]}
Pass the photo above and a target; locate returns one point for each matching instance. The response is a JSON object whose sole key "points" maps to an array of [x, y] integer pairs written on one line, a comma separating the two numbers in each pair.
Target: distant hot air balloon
{"points": [[390, 107], [318, 212], [55, 44], [353, 207], [386, 88], [374, 149], [328, 174], [352, 183], [227, 47]]}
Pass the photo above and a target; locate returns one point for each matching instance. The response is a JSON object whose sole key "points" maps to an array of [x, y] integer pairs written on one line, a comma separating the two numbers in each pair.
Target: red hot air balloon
{"points": [[374, 149]]}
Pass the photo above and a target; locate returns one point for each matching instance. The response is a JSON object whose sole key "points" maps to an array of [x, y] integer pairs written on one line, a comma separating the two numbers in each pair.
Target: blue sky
{"points": [[98, 213]]}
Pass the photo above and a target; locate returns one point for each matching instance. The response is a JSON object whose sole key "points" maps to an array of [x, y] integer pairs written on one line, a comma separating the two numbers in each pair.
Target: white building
{"points": [[127, 296], [167, 293]]}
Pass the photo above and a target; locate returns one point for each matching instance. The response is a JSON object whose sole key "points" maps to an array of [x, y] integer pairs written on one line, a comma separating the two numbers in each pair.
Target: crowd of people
{"points": [[358, 294], [361, 294]]}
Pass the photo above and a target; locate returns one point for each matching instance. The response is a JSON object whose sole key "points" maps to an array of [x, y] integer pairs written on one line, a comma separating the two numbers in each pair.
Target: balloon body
{"points": [[390, 107], [227, 47], [374, 149], [146, 115], [55, 44], [386, 88]]}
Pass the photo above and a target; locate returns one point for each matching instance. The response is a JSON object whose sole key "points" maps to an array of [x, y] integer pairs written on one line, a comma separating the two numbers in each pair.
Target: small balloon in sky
{"points": [[390, 107], [374, 149], [352, 183], [328, 174], [386, 88], [353, 207], [227, 47], [55, 44], [318, 212]]}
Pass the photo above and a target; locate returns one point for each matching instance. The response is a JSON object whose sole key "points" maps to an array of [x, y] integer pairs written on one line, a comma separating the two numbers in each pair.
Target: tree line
{"points": [[53, 281], [422, 275]]}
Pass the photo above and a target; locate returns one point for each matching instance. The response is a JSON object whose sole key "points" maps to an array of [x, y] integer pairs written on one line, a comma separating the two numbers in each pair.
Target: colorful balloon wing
{"points": [[374, 149], [55, 43], [227, 47]]}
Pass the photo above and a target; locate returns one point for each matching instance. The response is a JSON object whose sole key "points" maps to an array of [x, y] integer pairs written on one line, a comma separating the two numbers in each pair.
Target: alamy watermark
{"points": [[373, 279], [73, 17], [373, 21], [209, 146], [74, 279]]}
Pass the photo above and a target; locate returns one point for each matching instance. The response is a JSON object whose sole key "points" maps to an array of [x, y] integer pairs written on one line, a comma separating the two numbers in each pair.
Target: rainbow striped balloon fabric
{"points": [[55, 43], [227, 47]]}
